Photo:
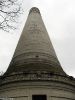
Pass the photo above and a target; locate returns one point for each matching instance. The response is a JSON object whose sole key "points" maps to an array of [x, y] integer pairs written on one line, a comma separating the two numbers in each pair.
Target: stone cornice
{"points": [[38, 76]]}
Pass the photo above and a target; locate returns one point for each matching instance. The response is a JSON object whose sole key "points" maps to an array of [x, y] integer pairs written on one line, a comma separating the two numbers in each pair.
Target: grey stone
{"points": [[34, 68]]}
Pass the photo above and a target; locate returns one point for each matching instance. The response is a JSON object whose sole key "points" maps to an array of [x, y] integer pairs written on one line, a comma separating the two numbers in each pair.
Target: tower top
{"points": [[35, 10]]}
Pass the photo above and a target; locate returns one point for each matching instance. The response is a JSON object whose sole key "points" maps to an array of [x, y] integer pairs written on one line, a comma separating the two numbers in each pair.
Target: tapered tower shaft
{"points": [[34, 51]]}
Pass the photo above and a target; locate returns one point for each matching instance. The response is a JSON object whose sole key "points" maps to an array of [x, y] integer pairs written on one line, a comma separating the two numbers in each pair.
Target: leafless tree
{"points": [[9, 12]]}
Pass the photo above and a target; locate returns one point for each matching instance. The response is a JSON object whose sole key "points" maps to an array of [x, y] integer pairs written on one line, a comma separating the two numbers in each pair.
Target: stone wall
{"points": [[25, 90]]}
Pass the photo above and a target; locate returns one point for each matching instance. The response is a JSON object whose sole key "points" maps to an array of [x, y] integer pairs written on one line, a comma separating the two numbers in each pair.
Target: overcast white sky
{"points": [[59, 19]]}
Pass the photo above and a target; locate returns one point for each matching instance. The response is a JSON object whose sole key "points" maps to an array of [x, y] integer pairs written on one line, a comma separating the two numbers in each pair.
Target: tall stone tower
{"points": [[35, 72]]}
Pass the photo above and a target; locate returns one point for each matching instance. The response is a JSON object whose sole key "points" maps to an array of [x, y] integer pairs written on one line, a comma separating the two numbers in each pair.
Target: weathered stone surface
{"points": [[35, 69], [34, 50]]}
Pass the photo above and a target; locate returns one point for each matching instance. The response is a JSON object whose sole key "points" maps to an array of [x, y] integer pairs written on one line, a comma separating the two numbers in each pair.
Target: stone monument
{"points": [[34, 72]]}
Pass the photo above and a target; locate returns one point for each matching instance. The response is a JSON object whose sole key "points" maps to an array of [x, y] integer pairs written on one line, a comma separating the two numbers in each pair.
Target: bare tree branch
{"points": [[9, 12]]}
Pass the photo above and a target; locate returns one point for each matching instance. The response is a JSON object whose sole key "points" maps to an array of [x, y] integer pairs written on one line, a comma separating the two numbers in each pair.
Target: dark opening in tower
{"points": [[39, 97]]}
